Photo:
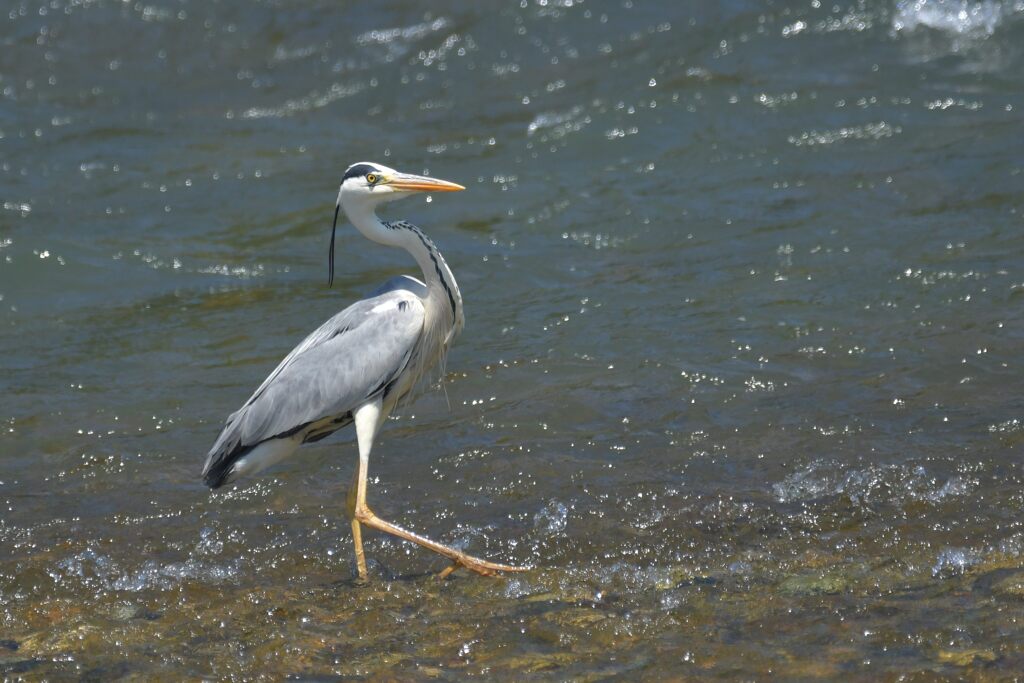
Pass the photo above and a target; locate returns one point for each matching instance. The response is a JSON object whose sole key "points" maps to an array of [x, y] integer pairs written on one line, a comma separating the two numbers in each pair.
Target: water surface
{"points": [[740, 376]]}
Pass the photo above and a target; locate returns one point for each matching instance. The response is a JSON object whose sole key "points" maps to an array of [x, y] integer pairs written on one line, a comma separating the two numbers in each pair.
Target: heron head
{"points": [[366, 185], [371, 184]]}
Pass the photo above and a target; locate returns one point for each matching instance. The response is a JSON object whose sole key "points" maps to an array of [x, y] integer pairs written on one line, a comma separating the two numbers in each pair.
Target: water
{"points": [[740, 376]]}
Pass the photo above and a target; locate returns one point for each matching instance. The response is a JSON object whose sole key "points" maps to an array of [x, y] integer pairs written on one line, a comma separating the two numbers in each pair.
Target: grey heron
{"points": [[360, 364]]}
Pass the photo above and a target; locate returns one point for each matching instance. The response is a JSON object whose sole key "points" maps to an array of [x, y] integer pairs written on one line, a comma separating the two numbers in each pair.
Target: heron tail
{"points": [[220, 466], [241, 461]]}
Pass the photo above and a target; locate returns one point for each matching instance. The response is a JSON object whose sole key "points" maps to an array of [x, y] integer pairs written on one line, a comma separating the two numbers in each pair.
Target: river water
{"points": [[740, 378]]}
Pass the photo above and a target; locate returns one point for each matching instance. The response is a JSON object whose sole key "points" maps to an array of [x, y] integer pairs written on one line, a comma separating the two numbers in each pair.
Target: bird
{"points": [[361, 364]]}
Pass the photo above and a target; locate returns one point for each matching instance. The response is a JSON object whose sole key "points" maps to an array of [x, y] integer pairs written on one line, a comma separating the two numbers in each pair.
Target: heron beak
{"points": [[419, 183]]}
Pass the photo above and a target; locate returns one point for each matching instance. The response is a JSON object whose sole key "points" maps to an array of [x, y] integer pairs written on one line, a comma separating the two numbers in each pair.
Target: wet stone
{"points": [[966, 657], [579, 618], [21, 666], [1010, 587], [545, 632], [542, 597], [800, 666], [430, 671], [812, 584], [536, 663], [124, 611]]}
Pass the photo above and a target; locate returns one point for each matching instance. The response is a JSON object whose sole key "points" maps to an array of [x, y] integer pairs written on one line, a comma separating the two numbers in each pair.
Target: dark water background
{"points": [[741, 373]]}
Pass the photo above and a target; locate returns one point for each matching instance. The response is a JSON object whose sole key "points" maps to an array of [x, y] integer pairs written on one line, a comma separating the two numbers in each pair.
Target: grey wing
{"points": [[348, 360], [399, 282]]}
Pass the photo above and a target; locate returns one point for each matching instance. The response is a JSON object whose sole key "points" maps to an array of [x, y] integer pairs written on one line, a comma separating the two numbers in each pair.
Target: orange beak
{"points": [[419, 183]]}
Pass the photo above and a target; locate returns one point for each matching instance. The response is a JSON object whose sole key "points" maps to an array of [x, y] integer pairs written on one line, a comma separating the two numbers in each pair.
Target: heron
{"points": [[358, 366]]}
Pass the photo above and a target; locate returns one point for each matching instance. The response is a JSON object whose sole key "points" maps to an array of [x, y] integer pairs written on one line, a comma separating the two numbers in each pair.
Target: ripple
{"points": [[154, 575], [23, 208], [99, 572], [559, 124], [960, 17], [552, 518], [242, 272], [385, 36], [1007, 427], [314, 100], [894, 484], [868, 131], [955, 561]]}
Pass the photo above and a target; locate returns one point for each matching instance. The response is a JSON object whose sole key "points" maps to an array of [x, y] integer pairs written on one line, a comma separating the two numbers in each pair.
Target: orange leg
{"points": [[368, 419]]}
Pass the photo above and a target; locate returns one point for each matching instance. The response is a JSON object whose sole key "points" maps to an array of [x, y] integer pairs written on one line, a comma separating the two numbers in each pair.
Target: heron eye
{"points": [[371, 178]]}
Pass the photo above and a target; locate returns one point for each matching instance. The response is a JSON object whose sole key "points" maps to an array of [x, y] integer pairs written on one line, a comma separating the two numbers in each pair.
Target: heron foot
{"points": [[459, 559], [475, 564]]}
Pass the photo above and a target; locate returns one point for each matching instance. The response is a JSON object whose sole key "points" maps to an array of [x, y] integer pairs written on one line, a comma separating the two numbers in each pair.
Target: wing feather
{"points": [[346, 361]]}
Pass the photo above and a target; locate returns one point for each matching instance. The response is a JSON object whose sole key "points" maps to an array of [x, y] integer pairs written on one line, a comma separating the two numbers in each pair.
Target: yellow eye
{"points": [[371, 178]]}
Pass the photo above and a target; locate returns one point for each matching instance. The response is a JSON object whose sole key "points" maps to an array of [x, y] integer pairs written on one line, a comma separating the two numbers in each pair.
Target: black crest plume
{"points": [[330, 252]]}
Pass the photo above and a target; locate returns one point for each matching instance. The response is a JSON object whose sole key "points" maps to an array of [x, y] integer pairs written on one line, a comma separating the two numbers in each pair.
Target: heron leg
{"points": [[367, 420], [357, 531]]}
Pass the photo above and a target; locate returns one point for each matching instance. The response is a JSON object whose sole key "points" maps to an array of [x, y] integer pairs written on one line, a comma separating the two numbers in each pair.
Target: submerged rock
{"points": [[966, 657], [812, 584], [1011, 587], [536, 662]]}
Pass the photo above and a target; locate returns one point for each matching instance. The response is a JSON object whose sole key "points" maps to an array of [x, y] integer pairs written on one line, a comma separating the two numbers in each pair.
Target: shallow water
{"points": [[741, 371]]}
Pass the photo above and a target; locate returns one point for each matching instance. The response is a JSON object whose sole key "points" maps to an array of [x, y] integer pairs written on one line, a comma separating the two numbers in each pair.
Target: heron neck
{"points": [[441, 286]]}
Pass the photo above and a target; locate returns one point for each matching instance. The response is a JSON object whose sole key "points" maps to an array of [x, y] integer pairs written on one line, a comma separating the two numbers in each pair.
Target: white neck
{"points": [[443, 293]]}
